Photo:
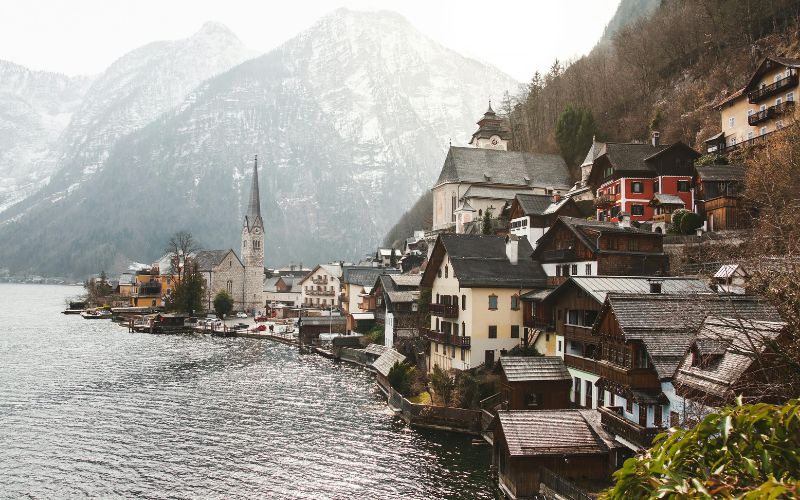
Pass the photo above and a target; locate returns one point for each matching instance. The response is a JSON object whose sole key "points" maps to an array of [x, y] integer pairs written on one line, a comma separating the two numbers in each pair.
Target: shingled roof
{"points": [[364, 276], [386, 361], [595, 150], [480, 261], [207, 260], [534, 368], [489, 166], [534, 204], [735, 344], [588, 230], [553, 432], [721, 173], [667, 324], [597, 287]]}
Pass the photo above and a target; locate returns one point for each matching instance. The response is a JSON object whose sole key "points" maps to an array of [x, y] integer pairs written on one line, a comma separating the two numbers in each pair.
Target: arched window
{"points": [[446, 272], [229, 286]]}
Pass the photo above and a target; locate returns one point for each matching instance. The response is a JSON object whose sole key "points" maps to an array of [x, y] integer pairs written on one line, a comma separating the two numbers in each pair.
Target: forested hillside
{"points": [[659, 72]]}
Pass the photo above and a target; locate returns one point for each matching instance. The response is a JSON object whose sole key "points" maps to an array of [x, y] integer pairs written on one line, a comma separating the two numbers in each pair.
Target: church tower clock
{"points": [[253, 248]]}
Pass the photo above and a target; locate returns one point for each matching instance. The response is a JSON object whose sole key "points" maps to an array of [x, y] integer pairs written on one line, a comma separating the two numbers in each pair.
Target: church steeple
{"points": [[253, 215], [492, 133]]}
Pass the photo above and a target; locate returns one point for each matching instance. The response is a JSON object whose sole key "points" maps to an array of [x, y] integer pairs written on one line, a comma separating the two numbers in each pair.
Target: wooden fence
{"points": [[434, 417]]}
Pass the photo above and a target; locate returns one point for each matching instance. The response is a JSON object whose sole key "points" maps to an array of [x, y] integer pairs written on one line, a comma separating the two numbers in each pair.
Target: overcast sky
{"points": [[85, 36]]}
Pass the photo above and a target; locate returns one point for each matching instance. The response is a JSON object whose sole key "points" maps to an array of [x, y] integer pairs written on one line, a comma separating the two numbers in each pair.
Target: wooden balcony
{"points": [[544, 325], [444, 311], [770, 112], [604, 201], [579, 333], [662, 218], [612, 420], [319, 280], [635, 378], [565, 254], [772, 89], [443, 338]]}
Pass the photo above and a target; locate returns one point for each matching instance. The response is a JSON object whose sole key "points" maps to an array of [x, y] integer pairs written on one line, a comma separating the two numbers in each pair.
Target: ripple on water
{"points": [[87, 409]]}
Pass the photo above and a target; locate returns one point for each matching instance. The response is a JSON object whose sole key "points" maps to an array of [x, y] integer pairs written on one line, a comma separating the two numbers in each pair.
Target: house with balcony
{"points": [[730, 358], [551, 447], [322, 287], [531, 215], [765, 104], [580, 247], [627, 178], [641, 339], [718, 197], [357, 283], [487, 175], [394, 299], [569, 311], [476, 282], [283, 290]]}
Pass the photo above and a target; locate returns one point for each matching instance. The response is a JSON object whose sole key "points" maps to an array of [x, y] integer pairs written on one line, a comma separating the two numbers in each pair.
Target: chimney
{"points": [[655, 138], [512, 248], [655, 285]]}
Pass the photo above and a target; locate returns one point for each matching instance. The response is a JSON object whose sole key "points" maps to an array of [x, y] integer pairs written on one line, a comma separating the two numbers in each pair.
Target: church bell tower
{"points": [[253, 248]]}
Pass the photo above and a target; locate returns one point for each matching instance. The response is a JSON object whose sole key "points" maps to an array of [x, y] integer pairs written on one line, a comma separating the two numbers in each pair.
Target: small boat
{"points": [[72, 311], [92, 315]]}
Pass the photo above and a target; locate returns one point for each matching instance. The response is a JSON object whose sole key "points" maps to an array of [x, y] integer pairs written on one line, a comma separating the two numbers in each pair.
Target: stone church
{"points": [[243, 277]]}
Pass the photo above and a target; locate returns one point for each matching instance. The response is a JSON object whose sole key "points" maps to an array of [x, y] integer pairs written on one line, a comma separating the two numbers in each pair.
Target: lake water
{"points": [[88, 409]]}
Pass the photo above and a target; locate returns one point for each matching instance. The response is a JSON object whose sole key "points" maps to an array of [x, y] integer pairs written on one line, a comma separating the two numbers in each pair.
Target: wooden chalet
{"points": [[718, 197], [579, 247], [394, 299], [569, 313], [531, 215], [534, 382], [570, 443], [642, 340], [733, 357]]}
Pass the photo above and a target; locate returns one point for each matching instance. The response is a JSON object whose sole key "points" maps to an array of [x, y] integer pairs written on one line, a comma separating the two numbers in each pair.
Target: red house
{"points": [[628, 176]]}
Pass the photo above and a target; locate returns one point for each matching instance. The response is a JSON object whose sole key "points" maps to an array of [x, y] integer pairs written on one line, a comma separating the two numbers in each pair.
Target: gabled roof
{"points": [[376, 349], [667, 324], [635, 158], [386, 361], [207, 260], [756, 75], [478, 165], [534, 368], [333, 270], [736, 343], [364, 276], [595, 150], [553, 432], [667, 199], [588, 230], [721, 172], [728, 270], [597, 287], [400, 288], [480, 261], [540, 204]]}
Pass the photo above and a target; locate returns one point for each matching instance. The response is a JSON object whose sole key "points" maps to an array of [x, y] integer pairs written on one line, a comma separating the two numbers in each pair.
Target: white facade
{"points": [[576, 268], [322, 287], [388, 329]]}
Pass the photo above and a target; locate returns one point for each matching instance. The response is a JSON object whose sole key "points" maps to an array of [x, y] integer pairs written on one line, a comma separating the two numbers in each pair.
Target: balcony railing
{"points": [[772, 89], [148, 290], [635, 378], [444, 338], [444, 311], [770, 112], [319, 280], [604, 201], [320, 292], [612, 419], [559, 255], [366, 306]]}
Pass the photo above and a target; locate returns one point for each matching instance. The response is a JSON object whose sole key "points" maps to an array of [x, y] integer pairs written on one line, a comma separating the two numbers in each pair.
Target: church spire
{"points": [[253, 215]]}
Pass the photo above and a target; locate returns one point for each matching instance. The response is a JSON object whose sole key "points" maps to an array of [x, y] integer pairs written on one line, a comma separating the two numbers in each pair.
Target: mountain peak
{"points": [[214, 28]]}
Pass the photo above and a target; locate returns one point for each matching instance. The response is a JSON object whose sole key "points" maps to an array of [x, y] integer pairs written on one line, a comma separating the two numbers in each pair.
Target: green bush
{"points": [[443, 385], [401, 377], [690, 222], [740, 452]]}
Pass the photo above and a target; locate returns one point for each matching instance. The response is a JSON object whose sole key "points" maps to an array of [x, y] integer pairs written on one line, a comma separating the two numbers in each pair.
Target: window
{"points": [[616, 188], [533, 399], [683, 186], [455, 329], [637, 209], [577, 390], [642, 415], [750, 113], [629, 406], [779, 124], [559, 346], [633, 245], [731, 122], [763, 107], [656, 187], [439, 274], [657, 415], [778, 101], [462, 354], [674, 419], [455, 301], [601, 397], [492, 331], [229, 286], [763, 131], [588, 270], [514, 331], [558, 270], [256, 244], [637, 187], [446, 272], [493, 302], [574, 270], [588, 394], [463, 302], [463, 328], [515, 302], [453, 206], [790, 96]]}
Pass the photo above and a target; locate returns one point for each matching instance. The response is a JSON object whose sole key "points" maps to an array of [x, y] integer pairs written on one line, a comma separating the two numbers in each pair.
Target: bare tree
{"points": [[180, 246]]}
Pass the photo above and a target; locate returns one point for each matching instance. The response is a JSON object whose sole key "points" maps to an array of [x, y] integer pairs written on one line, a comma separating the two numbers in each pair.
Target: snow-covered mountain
{"points": [[35, 108], [350, 119]]}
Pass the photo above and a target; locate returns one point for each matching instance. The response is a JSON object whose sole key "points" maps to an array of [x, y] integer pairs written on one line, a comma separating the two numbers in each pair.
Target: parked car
{"points": [[261, 328], [262, 318], [241, 315]]}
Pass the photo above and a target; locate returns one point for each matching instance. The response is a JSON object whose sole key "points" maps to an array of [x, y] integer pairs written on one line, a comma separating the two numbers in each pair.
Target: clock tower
{"points": [[253, 248], [492, 133]]}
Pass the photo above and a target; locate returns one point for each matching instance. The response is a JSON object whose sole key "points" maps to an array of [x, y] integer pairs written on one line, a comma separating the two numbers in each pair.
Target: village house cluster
{"points": [[519, 258]]}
